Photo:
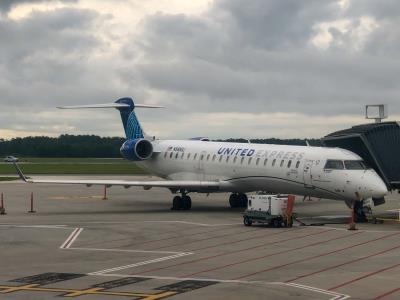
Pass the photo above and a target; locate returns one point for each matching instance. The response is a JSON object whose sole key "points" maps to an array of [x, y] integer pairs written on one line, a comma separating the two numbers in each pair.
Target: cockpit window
{"points": [[354, 165], [334, 164]]}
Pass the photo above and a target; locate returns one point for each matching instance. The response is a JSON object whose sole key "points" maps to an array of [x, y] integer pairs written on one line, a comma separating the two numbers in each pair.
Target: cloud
{"points": [[315, 60], [6, 5]]}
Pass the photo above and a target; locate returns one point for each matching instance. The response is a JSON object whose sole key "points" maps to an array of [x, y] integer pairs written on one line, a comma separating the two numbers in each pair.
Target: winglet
{"points": [[20, 173]]}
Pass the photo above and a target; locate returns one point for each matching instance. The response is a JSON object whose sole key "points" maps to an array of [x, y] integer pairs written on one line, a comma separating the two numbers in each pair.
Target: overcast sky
{"points": [[227, 68]]}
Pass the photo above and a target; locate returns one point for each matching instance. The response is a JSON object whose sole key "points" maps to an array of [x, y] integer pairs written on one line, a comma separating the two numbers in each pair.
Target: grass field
{"points": [[72, 166]]}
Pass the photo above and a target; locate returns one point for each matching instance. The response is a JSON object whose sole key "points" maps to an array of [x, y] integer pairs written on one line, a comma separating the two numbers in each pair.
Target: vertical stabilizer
{"points": [[132, 127]]}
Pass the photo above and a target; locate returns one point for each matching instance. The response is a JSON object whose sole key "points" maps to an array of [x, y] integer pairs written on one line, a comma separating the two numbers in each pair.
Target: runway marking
{"points": [[152, 261], [91, 291], [335, 295], [207, 238], [74, 197], [194, 223], [36, 226], [387, 294], [364, 276], [236, 251], [274, 253], [71, 238], [316, 256], [343, 264], [126, 250]]}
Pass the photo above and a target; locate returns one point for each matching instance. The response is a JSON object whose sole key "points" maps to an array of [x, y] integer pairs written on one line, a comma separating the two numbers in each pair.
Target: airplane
{"points": [[199, 165]]}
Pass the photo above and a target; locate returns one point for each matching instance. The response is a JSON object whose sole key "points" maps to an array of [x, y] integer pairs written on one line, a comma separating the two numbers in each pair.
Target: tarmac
{"points": [[132, 246]]}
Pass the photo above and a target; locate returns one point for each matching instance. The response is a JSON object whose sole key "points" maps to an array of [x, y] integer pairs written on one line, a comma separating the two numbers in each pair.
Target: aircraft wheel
{"points": [[177, 203], [186, 203], [234, 200], [242, 200]]}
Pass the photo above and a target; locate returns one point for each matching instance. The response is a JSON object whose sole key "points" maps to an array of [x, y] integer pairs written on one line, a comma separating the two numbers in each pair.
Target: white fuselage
{"points": [[245, 168]]}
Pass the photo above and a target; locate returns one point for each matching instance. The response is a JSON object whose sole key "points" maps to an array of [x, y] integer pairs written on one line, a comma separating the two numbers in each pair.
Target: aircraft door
{"points": [[307, 173], [202, 159]]}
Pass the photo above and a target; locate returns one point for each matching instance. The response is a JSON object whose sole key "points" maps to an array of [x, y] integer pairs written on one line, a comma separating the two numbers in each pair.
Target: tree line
{"points": [[95, 146]]}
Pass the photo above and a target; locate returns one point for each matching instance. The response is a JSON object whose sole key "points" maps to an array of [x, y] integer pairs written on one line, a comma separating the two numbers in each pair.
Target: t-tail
{"points": [[126, 107]]}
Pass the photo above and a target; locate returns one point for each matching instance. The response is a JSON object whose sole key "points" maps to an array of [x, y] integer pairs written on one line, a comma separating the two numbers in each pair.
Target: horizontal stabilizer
{"points": [[108, 105]]}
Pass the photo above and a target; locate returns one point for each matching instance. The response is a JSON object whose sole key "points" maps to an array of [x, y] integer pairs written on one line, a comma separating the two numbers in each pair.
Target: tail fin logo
{"points": [[133, 129]]}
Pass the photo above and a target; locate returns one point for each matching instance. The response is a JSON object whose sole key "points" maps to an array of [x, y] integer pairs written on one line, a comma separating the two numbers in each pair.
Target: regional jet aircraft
{"points": [[203, 166]]}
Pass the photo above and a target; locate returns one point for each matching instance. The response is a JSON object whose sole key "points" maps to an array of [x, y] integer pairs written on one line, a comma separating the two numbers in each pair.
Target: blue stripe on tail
{"points": [[132, 127]]}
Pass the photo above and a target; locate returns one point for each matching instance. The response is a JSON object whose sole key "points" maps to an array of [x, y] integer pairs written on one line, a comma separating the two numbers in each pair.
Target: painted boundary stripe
{"points": [[175, 237], [317, 256], [386, 294], [216, 237], [272, 254], [236, 251], [336, 295], [71, 238], [364, 276], [140, 263], [243, 240], [343, 264]]}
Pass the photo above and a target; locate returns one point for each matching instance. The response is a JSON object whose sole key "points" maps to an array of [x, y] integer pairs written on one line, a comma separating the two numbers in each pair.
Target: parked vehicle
{"points": [[274, 210]]}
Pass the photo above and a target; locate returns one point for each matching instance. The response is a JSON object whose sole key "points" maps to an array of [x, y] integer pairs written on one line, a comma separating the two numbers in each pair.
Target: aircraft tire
{"points": [[234, 200], [186, 203], [242, 200], [177, 203]]}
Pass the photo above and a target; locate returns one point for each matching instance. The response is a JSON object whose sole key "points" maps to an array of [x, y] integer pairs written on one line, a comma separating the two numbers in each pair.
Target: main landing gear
{"points": [[238, 200], [181, 203]]}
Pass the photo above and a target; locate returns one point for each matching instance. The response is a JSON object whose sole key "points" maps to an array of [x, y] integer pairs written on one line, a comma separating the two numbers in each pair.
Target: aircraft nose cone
{"points": [[379, 188]]}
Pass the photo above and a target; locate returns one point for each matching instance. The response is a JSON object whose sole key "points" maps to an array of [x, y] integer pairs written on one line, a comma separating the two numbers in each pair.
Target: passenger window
{"points": [[220, 158], [208, 157], [289, 163], [188, 156], [242, 160], [201, 157], [249, 160], [257, 161], [265, 162], [170, 156], [273, 162], [227, 158], [165, 154], [334, 165], [195, 156], [235, 159], [282, 161], [182, 155], [297, 164], [214, 157]]}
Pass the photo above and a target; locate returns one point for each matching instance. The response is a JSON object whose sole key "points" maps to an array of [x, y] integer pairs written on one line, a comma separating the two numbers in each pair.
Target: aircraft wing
{"points": [[192, 185]]}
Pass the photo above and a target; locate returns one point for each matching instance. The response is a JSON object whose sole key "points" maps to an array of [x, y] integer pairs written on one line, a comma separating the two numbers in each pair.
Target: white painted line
{"points": [[35, 226], [142, 263], [126, 250], [71, 238], [194, 223], [335, 295]]}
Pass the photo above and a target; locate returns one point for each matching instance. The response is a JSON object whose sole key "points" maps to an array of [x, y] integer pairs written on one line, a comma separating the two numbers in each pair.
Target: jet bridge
{"points": [[378, 144]]}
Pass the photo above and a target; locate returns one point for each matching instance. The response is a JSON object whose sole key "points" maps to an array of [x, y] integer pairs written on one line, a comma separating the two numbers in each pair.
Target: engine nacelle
{"points": [[138, 149]]}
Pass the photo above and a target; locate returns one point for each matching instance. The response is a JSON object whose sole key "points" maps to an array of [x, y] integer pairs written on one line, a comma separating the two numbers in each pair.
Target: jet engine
{"points": [[137, 149]]}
